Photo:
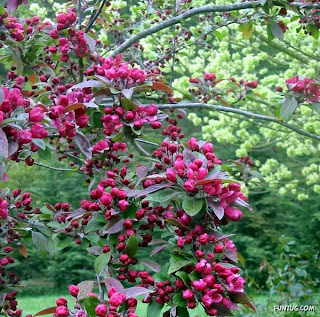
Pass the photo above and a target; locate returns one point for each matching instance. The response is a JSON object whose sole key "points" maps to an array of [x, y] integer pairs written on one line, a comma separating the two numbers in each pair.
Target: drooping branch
{"points": [[196, 11], [241, 112]]}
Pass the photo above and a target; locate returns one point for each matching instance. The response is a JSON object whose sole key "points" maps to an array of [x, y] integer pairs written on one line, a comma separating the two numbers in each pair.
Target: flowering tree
{"points": [[69, 93]]}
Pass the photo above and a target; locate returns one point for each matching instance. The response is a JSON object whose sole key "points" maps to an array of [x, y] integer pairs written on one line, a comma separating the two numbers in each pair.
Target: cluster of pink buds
{"points": [[67, 120], [15, 209], [207, 88], [115, 117], [304, 88], [116, 73], [65, 20]]}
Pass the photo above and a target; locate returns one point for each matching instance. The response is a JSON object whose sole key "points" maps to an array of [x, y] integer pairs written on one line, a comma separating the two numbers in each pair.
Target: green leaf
{"points": [[183, 312], [177, 262], [179, 300], [269, 32], [154, 309], [40, 241], [277, 31], [192, 205], [288, 107], [132, 246], [101, 262], [184, 277], [316, 106], [90, 303], [163, 195], [39, 143], [194, 276], [130, 212], [247, 29], [44, 154], [313, 30], [94, 224], [127, 104], [2, 10]]}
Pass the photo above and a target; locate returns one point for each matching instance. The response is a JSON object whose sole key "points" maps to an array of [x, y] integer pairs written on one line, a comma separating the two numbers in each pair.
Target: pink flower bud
{"points": [[74, 290], [199, 285], [189, 186], [232, 213], [123, 205], [106, 199], [62, 311], [218, 248], [117, 299], [101, 310], [61, 302], [188, 295], [171, 175]]}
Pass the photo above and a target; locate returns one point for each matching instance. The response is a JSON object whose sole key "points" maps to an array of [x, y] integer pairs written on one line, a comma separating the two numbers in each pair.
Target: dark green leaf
{"points": [[183, 312], [90, 303], [179, 300], [177, 262], [101, 262], [132, 246], [163, 195], [154, 309], [184, 277], [130, 212]]}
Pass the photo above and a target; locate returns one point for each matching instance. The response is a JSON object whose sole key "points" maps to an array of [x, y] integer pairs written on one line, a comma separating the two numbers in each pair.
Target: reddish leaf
{"points": [[158, 249], [217, 209], [176, 223], [32, 78], [74, 106], [13, 147], [23, 250], [84, 145], [231, 255], [212, 178], [251, 306], [138, 193], [85, 287], [114, 226], [112, 282], [152, 265], [2, 96], [161, 87], [134, 292], [4, 146], [50, 207], [47, 311], [142, 171], [242, 203]]}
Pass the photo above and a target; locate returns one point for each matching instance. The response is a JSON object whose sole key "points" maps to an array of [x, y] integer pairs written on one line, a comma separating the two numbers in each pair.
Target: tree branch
{"points": [[94, 18], [241, 112], [195, 11]]}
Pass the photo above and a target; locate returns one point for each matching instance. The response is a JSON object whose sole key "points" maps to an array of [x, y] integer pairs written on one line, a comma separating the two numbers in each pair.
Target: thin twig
{"points": [[140, 149], [101, 292], [57, 168], [241, 112]]}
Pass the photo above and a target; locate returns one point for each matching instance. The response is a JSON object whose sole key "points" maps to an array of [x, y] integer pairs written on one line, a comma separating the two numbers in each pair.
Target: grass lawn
{"points": [[36, 303]]}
